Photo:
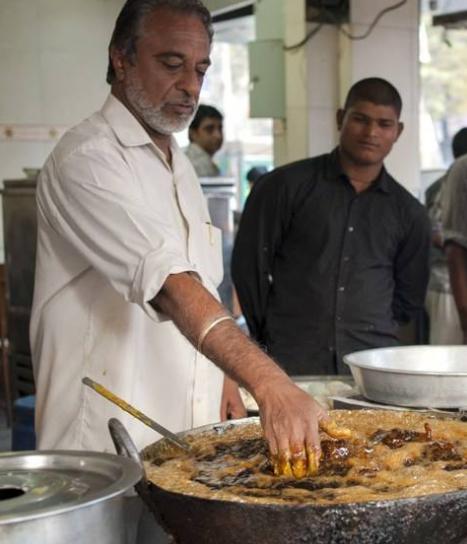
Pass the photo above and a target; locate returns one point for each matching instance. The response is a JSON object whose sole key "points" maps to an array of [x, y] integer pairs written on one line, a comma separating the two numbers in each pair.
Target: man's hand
{"points": [[232, 406], [290, 420]]}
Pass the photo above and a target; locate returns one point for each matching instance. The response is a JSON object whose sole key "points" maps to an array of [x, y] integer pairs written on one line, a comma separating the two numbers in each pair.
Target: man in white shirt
{"points": [[206, 137], [128, 261]]}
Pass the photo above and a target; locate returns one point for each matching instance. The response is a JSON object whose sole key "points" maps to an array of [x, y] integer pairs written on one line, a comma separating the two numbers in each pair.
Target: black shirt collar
{"points": [[335, 171]]}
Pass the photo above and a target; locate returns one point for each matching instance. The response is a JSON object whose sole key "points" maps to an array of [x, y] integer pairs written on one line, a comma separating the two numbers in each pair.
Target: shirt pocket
{"points": [[212, 253]]}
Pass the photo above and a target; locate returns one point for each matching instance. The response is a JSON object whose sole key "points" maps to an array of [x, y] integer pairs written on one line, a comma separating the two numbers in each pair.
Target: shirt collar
{"points": [[335, 171], [128, 129]]}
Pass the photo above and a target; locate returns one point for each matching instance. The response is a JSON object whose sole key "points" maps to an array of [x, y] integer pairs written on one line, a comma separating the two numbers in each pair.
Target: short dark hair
{"points": [[375, 90], [459, 143], [255, 173], [129, 21], [202, 112]]}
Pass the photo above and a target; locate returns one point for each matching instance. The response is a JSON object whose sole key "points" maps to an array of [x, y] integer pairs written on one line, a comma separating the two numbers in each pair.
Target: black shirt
{"points": [[321, 270]]}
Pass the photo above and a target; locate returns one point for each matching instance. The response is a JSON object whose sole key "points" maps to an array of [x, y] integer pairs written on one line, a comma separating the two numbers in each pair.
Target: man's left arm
{"points": [[412, 268]]}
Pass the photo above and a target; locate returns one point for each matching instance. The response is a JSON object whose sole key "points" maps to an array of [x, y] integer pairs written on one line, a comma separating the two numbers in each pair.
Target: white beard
{"points": [[154, 116]]}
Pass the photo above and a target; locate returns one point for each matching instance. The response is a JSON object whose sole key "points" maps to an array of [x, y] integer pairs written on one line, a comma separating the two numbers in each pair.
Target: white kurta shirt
{"points": [[114, 220]]}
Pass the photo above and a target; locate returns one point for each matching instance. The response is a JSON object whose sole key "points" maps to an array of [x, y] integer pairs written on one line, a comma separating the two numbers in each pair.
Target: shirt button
{"points": [[341, 288], [339, 318], [331, 348], [350, 229], [346, 259]]}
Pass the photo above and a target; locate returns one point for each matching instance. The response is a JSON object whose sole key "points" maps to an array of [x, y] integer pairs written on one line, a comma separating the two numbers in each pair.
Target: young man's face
{"points": [[208, 135], [162, 81], [367, 132]]}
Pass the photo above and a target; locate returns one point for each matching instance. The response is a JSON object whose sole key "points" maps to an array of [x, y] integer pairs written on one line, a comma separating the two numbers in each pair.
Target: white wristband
{"points": [[209, 328]]}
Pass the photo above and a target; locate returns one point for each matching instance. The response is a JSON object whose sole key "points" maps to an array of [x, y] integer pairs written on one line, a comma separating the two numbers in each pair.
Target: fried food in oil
{"points": [[389, 455]]}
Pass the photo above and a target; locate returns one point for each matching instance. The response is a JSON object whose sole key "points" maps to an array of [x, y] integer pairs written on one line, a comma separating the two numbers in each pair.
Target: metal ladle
{"points": [[136, 413]]}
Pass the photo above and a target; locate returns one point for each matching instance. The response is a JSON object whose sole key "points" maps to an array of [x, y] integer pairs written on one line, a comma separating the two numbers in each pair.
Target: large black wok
{"points": [[436, 519]]}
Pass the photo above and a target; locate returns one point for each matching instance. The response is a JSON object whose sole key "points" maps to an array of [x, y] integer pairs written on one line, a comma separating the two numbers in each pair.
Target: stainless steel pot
{"points": [[424, 376], [64, 497]]}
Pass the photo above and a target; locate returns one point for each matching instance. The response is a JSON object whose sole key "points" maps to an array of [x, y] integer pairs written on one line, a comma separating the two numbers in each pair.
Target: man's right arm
{"points": [[258, 236], [454, 204], [457, 263], [288, 415]]}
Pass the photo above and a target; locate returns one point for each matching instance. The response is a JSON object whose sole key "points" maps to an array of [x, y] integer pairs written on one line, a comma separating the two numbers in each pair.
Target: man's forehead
{"points": [[370, 109], [210, 121]]}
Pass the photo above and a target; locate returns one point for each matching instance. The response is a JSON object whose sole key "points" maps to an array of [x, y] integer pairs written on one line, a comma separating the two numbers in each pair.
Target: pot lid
{"points": [[36, 484]]}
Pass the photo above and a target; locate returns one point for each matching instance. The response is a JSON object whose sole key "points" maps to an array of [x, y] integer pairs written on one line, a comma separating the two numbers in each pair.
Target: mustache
{"points": [[184, 103]]}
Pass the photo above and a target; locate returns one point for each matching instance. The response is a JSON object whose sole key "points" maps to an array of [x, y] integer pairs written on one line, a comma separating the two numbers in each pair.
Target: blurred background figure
{"points": [[254, 174], [206, 137], [445, 326]]}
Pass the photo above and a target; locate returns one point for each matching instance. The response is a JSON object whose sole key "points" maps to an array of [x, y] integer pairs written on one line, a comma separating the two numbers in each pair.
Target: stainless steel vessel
{"points": [[424, 376], [64, 497]]}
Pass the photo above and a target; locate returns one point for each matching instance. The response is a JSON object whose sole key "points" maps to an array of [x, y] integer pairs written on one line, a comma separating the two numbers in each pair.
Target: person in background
{"points": [[254, 174], [206, 138], [332, 253], [454, 229], [445, 326]]}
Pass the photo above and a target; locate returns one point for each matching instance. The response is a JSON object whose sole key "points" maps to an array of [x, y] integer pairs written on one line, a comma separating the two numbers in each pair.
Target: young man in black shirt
{"points": [[332, 253]]}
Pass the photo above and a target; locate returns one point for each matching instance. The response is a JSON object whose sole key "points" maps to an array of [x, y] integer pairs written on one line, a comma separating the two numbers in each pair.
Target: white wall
{"points": [[323, 89], [53, 58], [53, 61]]}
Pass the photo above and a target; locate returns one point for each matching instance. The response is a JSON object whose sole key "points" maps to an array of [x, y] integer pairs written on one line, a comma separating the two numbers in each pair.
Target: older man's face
{"points": [[163, 81]]}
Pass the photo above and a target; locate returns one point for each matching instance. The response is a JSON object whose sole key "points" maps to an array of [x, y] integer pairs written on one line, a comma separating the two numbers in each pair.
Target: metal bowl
{"points": [[421, 376]]}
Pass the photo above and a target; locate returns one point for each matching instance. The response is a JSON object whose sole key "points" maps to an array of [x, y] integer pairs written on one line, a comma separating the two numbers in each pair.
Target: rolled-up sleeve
{"points": [[95, 203]]}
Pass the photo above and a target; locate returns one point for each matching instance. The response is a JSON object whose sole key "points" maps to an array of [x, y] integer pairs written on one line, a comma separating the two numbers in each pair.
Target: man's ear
{"points": [[400, 128], [117, 58], [340, 118]]}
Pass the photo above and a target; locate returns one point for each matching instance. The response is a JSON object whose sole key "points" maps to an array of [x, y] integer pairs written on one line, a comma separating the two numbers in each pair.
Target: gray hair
{"points": [[130, 19]]}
